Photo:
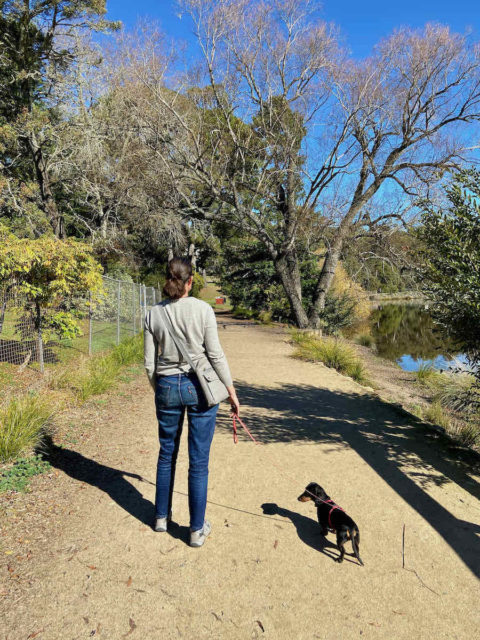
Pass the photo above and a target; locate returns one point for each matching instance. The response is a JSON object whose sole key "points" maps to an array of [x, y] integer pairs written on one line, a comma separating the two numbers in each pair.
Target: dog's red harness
{"points": [[334, 506]]}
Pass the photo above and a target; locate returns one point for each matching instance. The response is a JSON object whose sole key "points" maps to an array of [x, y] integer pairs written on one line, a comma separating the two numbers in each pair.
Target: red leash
{"points": [[330, 502], [235, 436]]}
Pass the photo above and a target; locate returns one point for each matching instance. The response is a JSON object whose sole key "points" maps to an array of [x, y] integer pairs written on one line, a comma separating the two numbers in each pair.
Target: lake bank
{"points": [[403, 389], [406, 334]]}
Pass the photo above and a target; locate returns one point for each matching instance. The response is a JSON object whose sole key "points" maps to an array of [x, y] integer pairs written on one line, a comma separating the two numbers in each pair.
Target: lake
{"points": [[406, 334]]}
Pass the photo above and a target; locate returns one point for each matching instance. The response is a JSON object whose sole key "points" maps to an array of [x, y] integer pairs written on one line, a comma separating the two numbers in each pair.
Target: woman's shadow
{"points": [[108, 479], [308, 530]]}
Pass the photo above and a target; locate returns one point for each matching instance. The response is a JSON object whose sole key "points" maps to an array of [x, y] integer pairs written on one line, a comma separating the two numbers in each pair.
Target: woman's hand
{"points": [[235, 404]]}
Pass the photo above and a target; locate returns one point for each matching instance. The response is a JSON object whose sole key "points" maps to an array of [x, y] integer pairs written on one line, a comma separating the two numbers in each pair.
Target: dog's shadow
{"points": [[308, 530]]}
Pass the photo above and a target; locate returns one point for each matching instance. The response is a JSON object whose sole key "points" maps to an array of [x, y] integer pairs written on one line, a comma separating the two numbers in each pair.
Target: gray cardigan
{"points": [[194, 320]]}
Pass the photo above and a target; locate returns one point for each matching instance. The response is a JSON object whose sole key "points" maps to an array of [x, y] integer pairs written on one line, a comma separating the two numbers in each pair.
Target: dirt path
{"points": [[80, 559]]}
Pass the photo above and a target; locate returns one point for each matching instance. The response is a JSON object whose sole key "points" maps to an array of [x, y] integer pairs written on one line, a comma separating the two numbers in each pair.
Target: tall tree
{"points": [[294, 133], [38, 38], [451, 270]]}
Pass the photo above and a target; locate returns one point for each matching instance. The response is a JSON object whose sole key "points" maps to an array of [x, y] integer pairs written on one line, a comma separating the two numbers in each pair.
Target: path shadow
{"points": [[108, 479], [388, 441], [308, 529]]}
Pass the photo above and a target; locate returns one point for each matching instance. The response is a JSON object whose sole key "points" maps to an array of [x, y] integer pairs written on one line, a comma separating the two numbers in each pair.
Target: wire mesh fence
{"points": [[118, 314]]}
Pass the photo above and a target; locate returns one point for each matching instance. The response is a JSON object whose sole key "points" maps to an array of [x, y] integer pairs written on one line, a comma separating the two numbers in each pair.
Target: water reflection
{"points": [[407, 335]]}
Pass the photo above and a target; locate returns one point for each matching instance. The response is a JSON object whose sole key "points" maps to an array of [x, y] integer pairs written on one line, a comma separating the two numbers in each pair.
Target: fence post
{"points": [[144, 302], [118, 312], [40, 340], [140, 299], [154, 299], [90, 320], [133, 309]]}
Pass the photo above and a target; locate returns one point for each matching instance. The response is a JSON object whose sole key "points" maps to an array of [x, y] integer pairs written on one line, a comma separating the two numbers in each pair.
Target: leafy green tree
{"points": [[53, 276], [249, 278], [451, 276]]}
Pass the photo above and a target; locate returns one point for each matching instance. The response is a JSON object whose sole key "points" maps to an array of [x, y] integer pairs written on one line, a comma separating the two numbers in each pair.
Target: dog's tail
{"points": [[355, 536]]}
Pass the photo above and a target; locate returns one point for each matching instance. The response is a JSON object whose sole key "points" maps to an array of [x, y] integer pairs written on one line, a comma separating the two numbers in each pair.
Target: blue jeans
{"points": [[172, 395]]}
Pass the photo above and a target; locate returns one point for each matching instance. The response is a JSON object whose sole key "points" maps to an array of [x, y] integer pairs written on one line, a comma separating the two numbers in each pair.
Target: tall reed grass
{"points": [[333, 352], [23, 423], [25, 420], [103, 371]]}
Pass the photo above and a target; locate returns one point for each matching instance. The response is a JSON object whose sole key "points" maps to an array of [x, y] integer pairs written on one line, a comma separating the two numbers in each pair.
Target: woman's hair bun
{"points": [[179, 270]]}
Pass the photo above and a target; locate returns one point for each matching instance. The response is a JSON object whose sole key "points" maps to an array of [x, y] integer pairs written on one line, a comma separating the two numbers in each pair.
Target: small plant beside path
{"points": [[17, 477], [333, 352], [27, 419]]}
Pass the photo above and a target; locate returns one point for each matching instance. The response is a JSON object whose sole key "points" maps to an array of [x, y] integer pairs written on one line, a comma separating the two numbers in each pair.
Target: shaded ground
{"points": [[80, 560]]}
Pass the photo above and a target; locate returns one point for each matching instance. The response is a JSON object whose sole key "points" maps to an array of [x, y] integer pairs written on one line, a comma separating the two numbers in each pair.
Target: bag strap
{"points": [[179, 342]]}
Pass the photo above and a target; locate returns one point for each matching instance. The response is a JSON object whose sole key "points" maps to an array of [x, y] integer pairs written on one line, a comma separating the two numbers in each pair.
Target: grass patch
{"points": [[333, 352], [429, 377], [243, 313], [435, 413], [17, 477], [129, 351], [460, 393], [103, 371], [96, 375], [365, 340], [23, 423], [464, 429]]}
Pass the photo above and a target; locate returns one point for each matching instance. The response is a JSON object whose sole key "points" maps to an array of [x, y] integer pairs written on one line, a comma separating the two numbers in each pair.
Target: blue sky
{"points": [[362, 23]]}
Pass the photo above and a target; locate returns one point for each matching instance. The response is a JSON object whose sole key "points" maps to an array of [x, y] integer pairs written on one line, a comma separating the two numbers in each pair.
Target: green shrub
{"points": [[339, 312], [129, 351], [23, 422], [332, 352], [197, 284], [365, 340], [429, 377], [265, 317], [243, 313], [17, 477], [101, 376]]}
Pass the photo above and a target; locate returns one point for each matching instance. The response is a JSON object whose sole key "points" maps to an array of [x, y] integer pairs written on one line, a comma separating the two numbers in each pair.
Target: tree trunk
{"points": [[43, 180], [3, 309], [324, 281], [103, 222], [289, 274], [192, 256], [330, 264]]}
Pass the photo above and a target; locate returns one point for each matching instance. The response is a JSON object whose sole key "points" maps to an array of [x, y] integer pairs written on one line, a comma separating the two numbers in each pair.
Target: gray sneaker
{"points": [[161, 524], [197, 538]]}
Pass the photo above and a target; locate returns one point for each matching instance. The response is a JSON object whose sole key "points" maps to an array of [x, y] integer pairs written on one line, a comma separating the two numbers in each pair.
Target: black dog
{"points": [[333, 518]]}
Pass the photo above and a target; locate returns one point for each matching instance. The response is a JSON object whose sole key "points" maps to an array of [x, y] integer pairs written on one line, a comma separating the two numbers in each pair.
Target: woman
{"points": [[177, 388]]}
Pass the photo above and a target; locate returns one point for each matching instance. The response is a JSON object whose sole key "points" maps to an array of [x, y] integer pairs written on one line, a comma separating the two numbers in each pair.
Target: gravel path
{"points": [[79, 559]]}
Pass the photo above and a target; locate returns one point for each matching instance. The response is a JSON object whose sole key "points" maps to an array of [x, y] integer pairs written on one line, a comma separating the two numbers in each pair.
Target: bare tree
{"points": [[278, 134], [406, 107]]}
